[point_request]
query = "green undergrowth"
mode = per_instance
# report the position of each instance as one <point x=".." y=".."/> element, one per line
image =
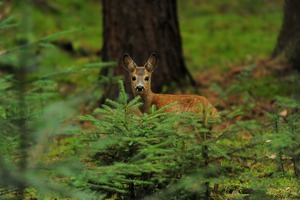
<point x="151" y="157"/>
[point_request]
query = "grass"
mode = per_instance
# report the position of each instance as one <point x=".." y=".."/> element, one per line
<point x="219" y="35"/>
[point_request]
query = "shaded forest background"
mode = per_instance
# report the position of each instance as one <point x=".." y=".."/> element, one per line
<point x="53" y="128"/>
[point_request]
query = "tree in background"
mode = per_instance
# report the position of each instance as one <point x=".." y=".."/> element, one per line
<point x="288" y="46"/>
<point x="288" y="43"/>
<point x="140" y="28"/>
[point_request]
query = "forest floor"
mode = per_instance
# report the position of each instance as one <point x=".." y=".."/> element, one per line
<point x="264" y="72"/>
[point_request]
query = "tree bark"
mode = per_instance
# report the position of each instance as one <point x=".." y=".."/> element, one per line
<point x="288" y="43"/>
<point x="140" y="28"/>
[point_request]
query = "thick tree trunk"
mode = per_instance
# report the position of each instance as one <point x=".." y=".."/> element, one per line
<point x="140" y="28"/>
<point x="288" y="43"/>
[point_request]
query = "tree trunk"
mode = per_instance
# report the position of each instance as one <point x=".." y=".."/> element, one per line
<point x="140" y="28"/>
<point x="288" y="43"/>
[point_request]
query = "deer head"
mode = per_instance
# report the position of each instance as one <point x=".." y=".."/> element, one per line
<point x="140" y="75"/>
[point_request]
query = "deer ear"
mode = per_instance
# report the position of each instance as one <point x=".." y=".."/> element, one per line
<point x="128" y="63"/>
<point x="151" y="64"/>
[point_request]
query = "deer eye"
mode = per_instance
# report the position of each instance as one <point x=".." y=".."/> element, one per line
<point x="133" y="78"/>
<point x="146" y="78"/>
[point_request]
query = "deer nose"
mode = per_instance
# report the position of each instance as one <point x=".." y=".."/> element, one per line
<point x="140" y="88"/>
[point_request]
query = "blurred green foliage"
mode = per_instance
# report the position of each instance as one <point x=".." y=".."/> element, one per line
<point x="33" y="113"/>
<point x="72" y="30"/>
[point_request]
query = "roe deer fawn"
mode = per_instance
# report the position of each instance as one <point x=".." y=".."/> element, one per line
<point x="141" y="86"/>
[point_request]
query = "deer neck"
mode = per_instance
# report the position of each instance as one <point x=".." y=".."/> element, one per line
<point x="147" y="99"/>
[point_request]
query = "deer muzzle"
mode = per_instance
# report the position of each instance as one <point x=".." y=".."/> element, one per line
<point x="140" y="88"/>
